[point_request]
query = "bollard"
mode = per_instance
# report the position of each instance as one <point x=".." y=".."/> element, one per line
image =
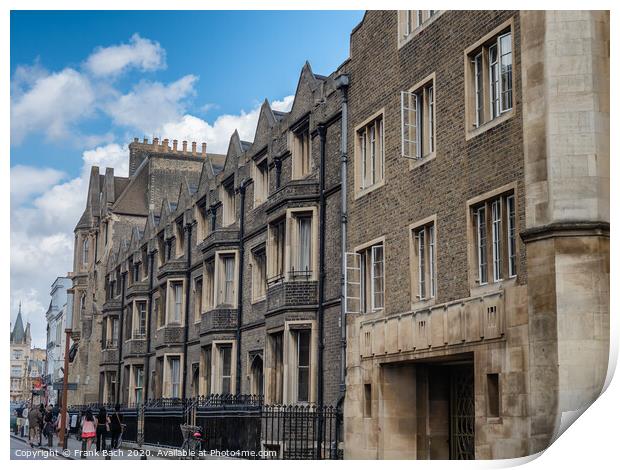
<point x="83" y="454"/>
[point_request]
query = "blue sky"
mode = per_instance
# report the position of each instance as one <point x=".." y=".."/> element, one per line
<point x="84" y="83"/>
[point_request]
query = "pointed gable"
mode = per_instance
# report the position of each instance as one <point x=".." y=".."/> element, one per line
<point x="92" y="200"/>
<point x="266" y="121"/>
<point x="18" y="334"/>
<point x="235" y="150"/>
<point x="304" y="94"/>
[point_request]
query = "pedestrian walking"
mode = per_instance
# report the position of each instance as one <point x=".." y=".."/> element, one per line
<point x="116" y="426"/>
<point x="34" y="423"/>
<point x="103" y="427"/>
<point x="89" y="428"/>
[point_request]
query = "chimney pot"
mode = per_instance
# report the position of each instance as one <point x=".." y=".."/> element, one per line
<point x="165" y="144"/>
<point x="156" y="141"/>
<point x="185" y="146"/>
<point x="174" y="145"/>
<point x="204" y="149"/>
<point x="193" y="148"/>
<point x="145" y="140"/>
<point x="135" y="139"/>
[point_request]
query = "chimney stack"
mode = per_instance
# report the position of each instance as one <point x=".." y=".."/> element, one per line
<point x="204" y="149"/>
<point x="193" y="148"/>
<point x="174" y="145"/>
<point x="145" y="140"/>
<point x="135" y="139"/>
<point x="185" y="146"/>
<point x="155" y="141"/>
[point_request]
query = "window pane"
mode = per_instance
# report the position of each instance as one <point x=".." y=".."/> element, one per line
<point x="421" y="265"/>
<point x="303" y="365"/>
<point x="431" y="257"/>
<point x="482" y="245"/>
<point x="229" y="272"/>
<point x="478" y="89"/>
<point x="494" y="81"/>
<point x="431" y="118"/>
<point x="497" y="253"/>
<point x="225" y="358"/>
<point x="377" y="277"/>
<point x="305" y="243"/>
<point x="505" y="45"/>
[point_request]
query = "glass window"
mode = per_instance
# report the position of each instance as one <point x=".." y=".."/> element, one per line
<point x="175" y="376"/>
<point x="303" y="365"/>
<point x="370" y="147"/>
<point x="225" y="360"/>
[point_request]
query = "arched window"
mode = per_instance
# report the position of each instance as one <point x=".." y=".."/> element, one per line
<point x="256" y="376"/>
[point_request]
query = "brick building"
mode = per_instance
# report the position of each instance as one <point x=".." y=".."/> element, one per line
<point x="478" y="230"/>
<point x="463" y="217"/>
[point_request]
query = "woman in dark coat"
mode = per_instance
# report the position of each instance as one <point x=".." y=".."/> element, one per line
<point x="116" y="426"/>
<point x="103" y="426"/>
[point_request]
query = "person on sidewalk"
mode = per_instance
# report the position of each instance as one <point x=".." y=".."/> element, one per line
<point x="89" y="428"/>
<point x="103" y="427"/>
<point x="34" y="422"/>
<point x="48" y="423"/>
<point x="116" y="426"/>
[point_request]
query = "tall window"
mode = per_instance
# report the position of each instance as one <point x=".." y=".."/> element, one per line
<point x="197" y="299"/>
<point x="202" y="224"/>
<point x="302" y="263"/>
<point x="209" y="284"/>
<point x="179" y="247"/>
<point x="175" y="309"/>
<point x="226" y="368"/>
<point x="489" y="79"/>
<point x="228" y="202"/>
<point x="259" y="273"/>
<point x="303" y="364"/>
<point x="85" y="251"/>
<point x="277" y="249"/>
<point x="226" y="279"/>
<point x="161" y="249"/>
<point x="261" y="180"/>
<point x="206" y="378"/>
<point x="301" y="151"/>
<point x="424" y="259"/>
<point x="370" y="151"/>
<point x="418" y="121"/>
<point x="366" y="269"/>
<point x="140" y="320"/>
<point x="495" y="258"/>
<point x="277" y="367"/>
<point x="138" y="384"/>
<point x="113" y="340"/>
<point x="174" y="366"/>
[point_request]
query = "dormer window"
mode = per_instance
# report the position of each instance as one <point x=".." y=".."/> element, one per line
<point x="228" y="202"/>
<point x="261" y="180"/>
<point x="179" y="237"/>
<point x="301" y="151"/>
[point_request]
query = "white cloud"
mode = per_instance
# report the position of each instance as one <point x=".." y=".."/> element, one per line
<point x="52" y="103"/>
<point x="141" y="53"/>
<point x="27" y="181"/>
<point x="217" y="135"/>
<point x="150" y="104"/>
<point x="111" y="155"/>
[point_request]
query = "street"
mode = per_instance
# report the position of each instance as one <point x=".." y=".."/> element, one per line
<point x="22" y="451"/>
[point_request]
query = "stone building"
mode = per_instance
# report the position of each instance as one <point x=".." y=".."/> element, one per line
<point x="20" y="358"/>
<point x="223" y="286"/>
<point x="462" y="217"/>
<point x="115" y="206"/>
<point x="478" y="230"/>
<point x="56" y="318"/>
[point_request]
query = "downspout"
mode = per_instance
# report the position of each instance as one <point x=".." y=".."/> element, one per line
<point x="320" y="313"/>
<point x="147" y="357"/>
<point x="121" y="322"/>
<point x="188" y="278"/>
<point x="342" y="83"/>
<point x="242" y="188"/>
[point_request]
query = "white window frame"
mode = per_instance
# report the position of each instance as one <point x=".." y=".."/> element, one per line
<point x="221" y="281"/>
<point x="483" y="277"/>
<point x="496" y="230"/>
<point x="172" y="302"/>
<point x="301" y="151"/>
<point x="261" y="180"/>
<point x="259" y="275"/>
<point x="418" y="120"/>
<point x="512" y="235"/>
<point x="370" y="150"/>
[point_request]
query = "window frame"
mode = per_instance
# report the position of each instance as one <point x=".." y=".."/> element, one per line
<point x="171" y="301"/>
<point x="428" y="226"/>
<point x="167" y="378"/>
<point x="422" y="95"/>
<point x="362" y="139"/>
<point x="301" y="150"/>
<point x="505" y="276"/>
<point x="220" y="277"/>
<point x="198" y="298"/>
<point x="476" y="111"/>
<point x="228" y="201"/>
<point x="260" y="177"/>
<point x="368" y="293"/>
<point x="413" y="22"/>
<point x="259" y="286"/>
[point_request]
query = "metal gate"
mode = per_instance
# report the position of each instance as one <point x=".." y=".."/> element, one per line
<point x="462" y="413"/>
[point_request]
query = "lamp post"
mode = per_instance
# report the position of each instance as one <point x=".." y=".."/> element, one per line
<point x="65" y="381"/>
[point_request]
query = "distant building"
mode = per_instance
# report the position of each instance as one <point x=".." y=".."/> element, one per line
<point x="56" y="317"/>
<point x="20" y="357"/>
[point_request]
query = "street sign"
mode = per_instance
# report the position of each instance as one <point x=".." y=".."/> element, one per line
<point x="70" y="386"/>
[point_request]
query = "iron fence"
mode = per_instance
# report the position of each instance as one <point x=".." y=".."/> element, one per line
<point x="241" y="424"/>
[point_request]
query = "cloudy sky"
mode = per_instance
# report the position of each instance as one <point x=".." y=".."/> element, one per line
<point x="83" y="84"/>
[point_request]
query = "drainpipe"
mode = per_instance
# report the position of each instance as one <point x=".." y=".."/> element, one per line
<point x="188" y="278"/>
<point x="147" y="357"/>
<point x="242" y="188"/>
<point x="320" y="313"/>
<point x="342" y="83"/>
<point x="121" y="322"/>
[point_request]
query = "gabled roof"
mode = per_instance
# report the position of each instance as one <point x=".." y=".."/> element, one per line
<point x="308" y="82"/>
<point x="236" y="147"/>
<point x="266" y="121"/>
<point x="134" y="198"/>
<point x="150" y="227"/>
